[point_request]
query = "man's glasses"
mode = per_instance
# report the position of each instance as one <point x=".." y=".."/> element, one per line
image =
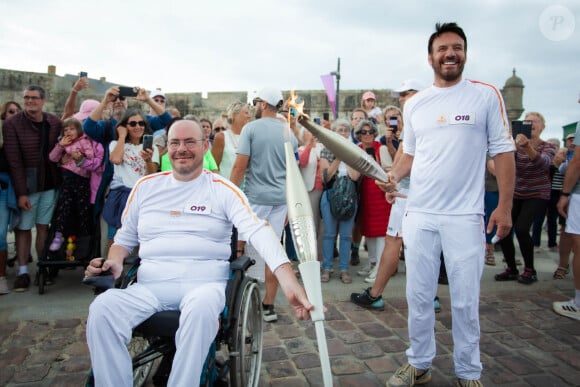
<point x="135" y="123"/>
<point x="32" y="97"/>
<point x="189" y="144"/>
<point x="218" y="129"/>
<point x="13" y="111"/>
<point x="159" y="100"/>
<point x="363" y="132"/>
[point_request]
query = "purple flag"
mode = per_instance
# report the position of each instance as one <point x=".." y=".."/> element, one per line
<point x="328" y="82"/>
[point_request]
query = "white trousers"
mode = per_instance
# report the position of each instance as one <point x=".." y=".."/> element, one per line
<point x="276" y="217"/>
<point x="114" y="314"/>
<point x="462" y="240"/>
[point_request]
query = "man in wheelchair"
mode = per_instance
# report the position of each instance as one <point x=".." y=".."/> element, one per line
<point x="182" y="222"/>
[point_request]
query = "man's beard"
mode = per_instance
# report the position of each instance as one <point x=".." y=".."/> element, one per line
<point x="258" y="112"/>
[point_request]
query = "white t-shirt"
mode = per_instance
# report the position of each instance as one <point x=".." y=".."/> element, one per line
<point x="180" y="227"/>
<point x="133" y="166"/>
<point x="448" y="131"/>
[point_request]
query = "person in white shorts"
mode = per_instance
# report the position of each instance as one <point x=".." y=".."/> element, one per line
<point x="182" y="221"/>
<point x="448" y="129"/>
<point x="569" y="207"/>
<point x="371" y="298"/>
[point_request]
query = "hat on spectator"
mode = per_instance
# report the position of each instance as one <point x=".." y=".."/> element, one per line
<point x="369" y="95"/>
<point x="157" y="93"/>
<point x="271" y="95"/>
<point x="87" y="108"/>
<point x="408" y="85"/>
<point x="571" y="135"/>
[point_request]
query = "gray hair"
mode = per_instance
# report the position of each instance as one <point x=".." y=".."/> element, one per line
<point x="234" y="108"/>
<point x="340" y="122"/>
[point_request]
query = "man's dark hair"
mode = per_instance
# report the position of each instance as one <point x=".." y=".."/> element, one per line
<point x="40" y="90"/>
<point x="441" y="28"/>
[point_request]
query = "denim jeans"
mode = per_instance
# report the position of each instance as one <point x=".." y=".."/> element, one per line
<point x="344" y="232"/>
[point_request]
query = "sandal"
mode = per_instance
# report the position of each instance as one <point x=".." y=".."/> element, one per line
<point x="561" y="272"/>
<point x="489" y="258"/>
<point x="345" y="277"/>
<point x="325" y="277"/>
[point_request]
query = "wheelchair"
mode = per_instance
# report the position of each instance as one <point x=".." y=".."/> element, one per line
<point x="235" y="356"/>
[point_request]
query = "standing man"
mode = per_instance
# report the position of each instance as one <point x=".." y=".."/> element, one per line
<point x="261" y="159"/>
<point x="29" y="136"/>
<point x="448" y="129"/>
<point x="569" y="207"/>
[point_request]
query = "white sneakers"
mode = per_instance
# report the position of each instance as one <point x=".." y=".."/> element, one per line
<point x="567" y="308"/>
<point x="372" y="275"/>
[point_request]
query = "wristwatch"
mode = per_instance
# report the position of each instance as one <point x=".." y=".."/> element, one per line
<point x="565" y="193"/>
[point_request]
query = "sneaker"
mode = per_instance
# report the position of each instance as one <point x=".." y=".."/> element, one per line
<point x="468" y="383"/>
<point x="528" y="277"/>
<point x="567" y="308"/>
<point x="436" y="305"/>
<point x="56" y="242"/>
<point x="22" y="283"/>
<point x="4" y="286"/>
<point x="354" y="257"/>
<point x="372" y="275"/>
<point x="507" y="275"/>
<point x="408" y="375"/>
<point x="366" y="270"/>
<point x="268" y="313"/>
<point x="365" y="300"/>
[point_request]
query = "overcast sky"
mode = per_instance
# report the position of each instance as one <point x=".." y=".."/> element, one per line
<point x="219" y="45"/>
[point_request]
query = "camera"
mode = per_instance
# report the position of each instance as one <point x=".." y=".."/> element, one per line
<point x="394" y="123"/>
<point x="127" y="91"/>
<point x="147" y="141"/>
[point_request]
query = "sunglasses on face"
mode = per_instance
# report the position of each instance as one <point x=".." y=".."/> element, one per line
<point x="120" y="98"/>
<point x="363" y="132"/>
<point x="135" y="123"/>
<point x="13" y="111"/>
<point x="159" y="100"/>
<point x="219" y="129"/>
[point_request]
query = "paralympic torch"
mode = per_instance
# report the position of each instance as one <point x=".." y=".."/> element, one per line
<point x="302" y="227"/>
<point x="341" y="147"/>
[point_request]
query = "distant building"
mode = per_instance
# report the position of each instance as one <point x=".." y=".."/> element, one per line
<point x="12" y="82"/>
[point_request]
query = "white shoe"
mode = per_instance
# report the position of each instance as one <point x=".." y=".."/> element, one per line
<point x="567" y="308"/>
<point x="372" y="275"/>
<point x="4" y="286"/>
<point x="366" y="270"/>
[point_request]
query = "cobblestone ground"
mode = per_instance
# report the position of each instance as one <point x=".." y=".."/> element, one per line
<point x="523" y="343"/>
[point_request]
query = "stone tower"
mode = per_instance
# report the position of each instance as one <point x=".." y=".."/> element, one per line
<point x="513" y="92"/>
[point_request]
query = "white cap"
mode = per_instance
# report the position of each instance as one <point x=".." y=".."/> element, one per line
<point x="271" y="95"/>
<point x="409" y="84"/>
<point x="157" y="93"/>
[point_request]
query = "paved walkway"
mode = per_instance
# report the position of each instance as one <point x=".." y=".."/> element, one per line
<point x="524" y="343"/>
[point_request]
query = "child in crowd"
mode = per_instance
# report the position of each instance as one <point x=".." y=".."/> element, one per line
<point x="79" y="158"/>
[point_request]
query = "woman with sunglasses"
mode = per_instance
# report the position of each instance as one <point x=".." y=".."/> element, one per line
<point x="130" y="163"/>
<point x="225" y="143"/>
<point x="374" y="210"/>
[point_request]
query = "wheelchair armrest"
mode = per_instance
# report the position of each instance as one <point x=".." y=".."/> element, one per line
<point x="242" y="263"/>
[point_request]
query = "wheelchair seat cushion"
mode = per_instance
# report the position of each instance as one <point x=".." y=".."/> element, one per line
<point x="161" y="324"/>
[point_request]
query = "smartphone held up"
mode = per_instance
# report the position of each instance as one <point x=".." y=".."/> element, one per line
<point x="147" y="141"/>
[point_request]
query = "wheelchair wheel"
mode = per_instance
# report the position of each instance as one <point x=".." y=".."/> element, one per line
<point x="141" y="369"/>
<point x="245" y="345"/>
